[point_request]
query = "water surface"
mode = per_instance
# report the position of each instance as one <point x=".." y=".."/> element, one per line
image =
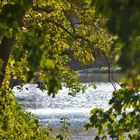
<point x="76" y="109"/>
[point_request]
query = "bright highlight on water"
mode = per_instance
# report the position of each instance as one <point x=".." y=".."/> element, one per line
<point x="76" y="109"/>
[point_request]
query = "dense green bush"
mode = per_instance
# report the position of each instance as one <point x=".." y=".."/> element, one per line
<point x="17" y="124"/>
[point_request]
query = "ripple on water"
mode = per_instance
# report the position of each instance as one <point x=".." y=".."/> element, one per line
<point x="51" y="110"/>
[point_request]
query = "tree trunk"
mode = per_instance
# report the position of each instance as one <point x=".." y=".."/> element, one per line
<point x="5" y="51"/>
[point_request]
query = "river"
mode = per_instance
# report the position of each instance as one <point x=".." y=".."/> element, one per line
<point x="76" y="109"/>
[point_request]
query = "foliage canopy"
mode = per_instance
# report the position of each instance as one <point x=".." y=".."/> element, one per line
<point x="34" y="35"/>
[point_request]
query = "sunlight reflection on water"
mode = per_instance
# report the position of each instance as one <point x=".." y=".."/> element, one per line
<point x="51" y="110"/>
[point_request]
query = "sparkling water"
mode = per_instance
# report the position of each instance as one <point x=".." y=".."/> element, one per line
<point x="76" y="109"/>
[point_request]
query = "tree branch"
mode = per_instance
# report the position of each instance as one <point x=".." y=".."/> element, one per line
<point x="76" y="36"/>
